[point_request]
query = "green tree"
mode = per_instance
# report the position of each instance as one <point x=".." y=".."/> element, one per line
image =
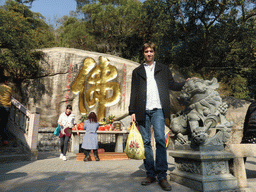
<point x="158" y="24"/>
<point x="74" y="33"/>
<point x="25" y="1"/>
<point x="108" y="26"/>
<point x="81" y="3"/>
<point x="208" y="38"/>
<point x="21" y="32"/>
<point x="109" y="22"/>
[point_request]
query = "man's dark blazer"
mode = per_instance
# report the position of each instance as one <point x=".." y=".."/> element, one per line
<point x="165" y="82"/>
<point x="250" y="120"/>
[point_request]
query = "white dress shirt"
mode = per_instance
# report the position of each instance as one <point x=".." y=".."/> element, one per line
<point x="153" y="99"/>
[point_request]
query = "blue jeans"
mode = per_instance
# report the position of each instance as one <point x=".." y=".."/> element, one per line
<point x="159" y="167"/>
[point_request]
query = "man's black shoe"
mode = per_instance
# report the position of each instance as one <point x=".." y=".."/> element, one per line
<point x="165" y="185"/>
<point x="148" y="180"/>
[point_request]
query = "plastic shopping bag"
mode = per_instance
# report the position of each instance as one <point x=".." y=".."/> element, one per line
<point x="134" y="148"/>
<point x="57" y="131"/>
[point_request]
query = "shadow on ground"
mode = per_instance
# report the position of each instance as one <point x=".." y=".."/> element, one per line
<point x="73" y="181"/>
<point x="48" y="155"/>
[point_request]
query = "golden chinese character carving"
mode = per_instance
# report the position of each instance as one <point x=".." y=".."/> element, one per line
<point x="99" y="77"/>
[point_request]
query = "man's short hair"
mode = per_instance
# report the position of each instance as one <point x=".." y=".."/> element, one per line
<point x="149" y="44"/>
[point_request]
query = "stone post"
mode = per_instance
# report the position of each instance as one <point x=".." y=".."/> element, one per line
<point x="32" y="134"/>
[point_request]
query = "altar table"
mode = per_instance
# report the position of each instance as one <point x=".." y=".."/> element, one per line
<point x="119" y="135"/>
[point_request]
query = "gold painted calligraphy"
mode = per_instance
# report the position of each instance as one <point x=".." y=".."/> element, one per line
<point x="99" y="76"/>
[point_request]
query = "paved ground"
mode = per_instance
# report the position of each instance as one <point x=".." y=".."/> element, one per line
<point x="49" y="174"/>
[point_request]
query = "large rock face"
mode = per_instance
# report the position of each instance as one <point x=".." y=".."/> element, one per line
<point x="52" y="90"/>
<point x="236" y="113"/>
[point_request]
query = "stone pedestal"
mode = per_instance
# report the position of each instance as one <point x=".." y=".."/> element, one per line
<point x="203" y="169"/>
<point x="119" y="143"/>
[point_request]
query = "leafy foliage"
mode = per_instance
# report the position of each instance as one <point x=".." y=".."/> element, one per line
<point x="74" y="33"/>
<point x="104" y="28"/>
<point x="206" y="38"/>
<point x="25" y="1"/>
<point x="109" y="120"/>
<point x="22" y="31"/>
<point x="83" y="118"/>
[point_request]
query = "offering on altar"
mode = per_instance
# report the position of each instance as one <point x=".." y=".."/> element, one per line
<point x="109" y="120"/>
<point x="107" y="124"/>
<point x="80" y="126"/>
<point x="117" y="126"/>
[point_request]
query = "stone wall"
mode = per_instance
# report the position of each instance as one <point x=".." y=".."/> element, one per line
<point x="236" y="113"/>
<point x="51" y="90"/>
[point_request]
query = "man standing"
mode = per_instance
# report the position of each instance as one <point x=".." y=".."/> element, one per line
<point x="150" y="104"/>
<point x="5" y="105"/>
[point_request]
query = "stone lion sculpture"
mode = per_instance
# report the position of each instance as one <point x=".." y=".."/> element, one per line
<point x="203" y="121"/>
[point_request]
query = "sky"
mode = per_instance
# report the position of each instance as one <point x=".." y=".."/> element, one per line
<point x="51" y="9"/>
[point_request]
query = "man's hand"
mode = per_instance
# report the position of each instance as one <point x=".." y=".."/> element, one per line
<point x="191" y="78"/>
<point x="133" y="117"/>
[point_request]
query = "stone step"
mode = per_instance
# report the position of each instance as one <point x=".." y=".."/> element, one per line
<point x="104" y="156"/>
<point x="10" y="158"/>
<point x="12" y="152"/>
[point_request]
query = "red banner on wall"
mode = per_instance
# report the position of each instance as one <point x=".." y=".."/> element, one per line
<point x="124" y="82"/>
<point x="69" y="81"/>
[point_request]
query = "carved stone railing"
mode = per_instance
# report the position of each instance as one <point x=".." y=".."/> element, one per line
<point x="240" y="151"/>
<point x="24" y="124"/>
